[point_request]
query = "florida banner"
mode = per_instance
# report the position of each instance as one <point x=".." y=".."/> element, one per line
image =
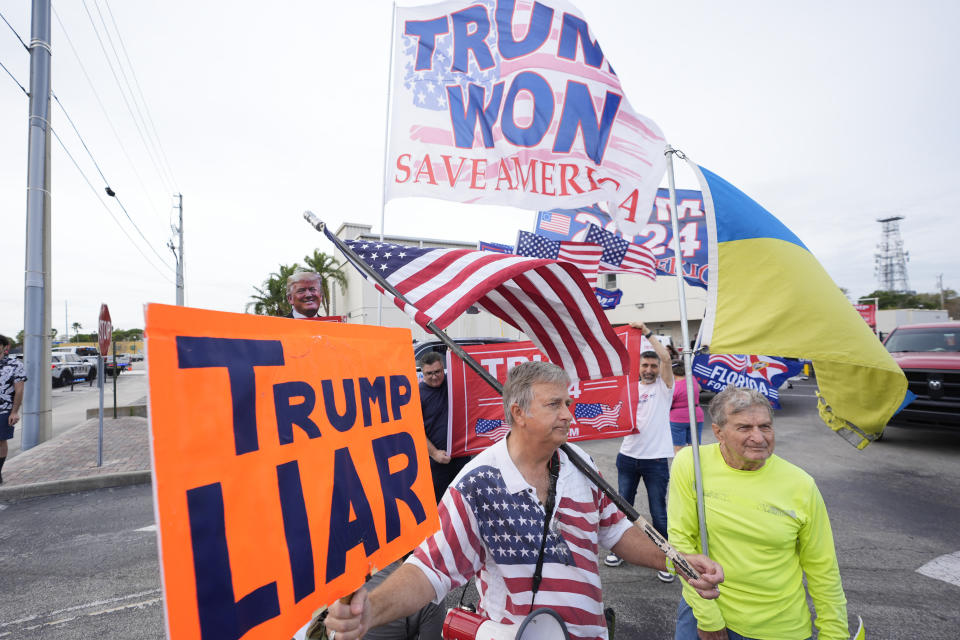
<point x="514" y="103"/>
<point x="602" y="408"/>
<point x="289" y="459"/>
<point x="766" y="374"/>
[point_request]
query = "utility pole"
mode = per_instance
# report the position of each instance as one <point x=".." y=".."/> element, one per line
<point x="37" y="414"/>
<point x="178" y="250"/>
<point x="940" y="288"/>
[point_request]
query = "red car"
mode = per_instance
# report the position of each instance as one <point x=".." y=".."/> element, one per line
<point x="929" y="355"/>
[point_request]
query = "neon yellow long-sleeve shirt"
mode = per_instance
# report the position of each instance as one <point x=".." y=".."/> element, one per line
<point x="766" y="528"/>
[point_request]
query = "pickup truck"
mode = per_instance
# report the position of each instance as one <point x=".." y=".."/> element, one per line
<point x="929" y="355"/>
<point x="89" y="355"/>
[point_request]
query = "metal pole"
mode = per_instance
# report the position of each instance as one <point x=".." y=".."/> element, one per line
<point x="116" y="374"/>
<point x="679" y="561"/>
<point x="687" y="353"/>
<point x="100" y="381"/>
<point x="386" y="146"/>
<point x="180" y="254"/>
<point x="37" y="423"/>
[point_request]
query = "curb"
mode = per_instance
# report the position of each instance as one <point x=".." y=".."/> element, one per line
<point x="72" y="485"/>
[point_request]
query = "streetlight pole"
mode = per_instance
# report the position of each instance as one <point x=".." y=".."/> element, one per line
<point x="37" y="414"/>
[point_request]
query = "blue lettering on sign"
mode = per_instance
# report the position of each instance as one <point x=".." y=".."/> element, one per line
<point x="398" y="486"/>
<point x="537" y="32"/>
<point x="294" y="414"/>
<point x="239" y="357"/>
<point x="346" y="532"/>
<point x="222" y="617"/>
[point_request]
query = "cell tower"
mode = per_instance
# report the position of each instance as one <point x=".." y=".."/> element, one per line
<point x="890" y="261"/>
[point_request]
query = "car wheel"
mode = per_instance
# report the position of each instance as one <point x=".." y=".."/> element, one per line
<point x="66" y="378"/>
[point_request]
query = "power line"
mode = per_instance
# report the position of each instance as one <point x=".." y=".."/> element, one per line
<point x="12" y="77"/>
<point x="124" y="96"/>
<point x="14" y="32"/>
<point x="152" y="148"/>
<point x="146" y="107"/>
<point x="114" y="217"/>
<point x="106" y="114"/>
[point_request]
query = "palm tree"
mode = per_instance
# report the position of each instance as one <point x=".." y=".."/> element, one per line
<point x="271" y="298"/>
<point x="76" y="331"/>
<point x="329" y="271"/>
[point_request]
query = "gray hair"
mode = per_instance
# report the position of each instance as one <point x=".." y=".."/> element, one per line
<point x="298" y="276"/>
<point x="734" y="400"/>
<point x="519" y="387"/>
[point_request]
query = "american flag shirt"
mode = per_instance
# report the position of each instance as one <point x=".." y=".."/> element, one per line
<point x="491" y="524"/>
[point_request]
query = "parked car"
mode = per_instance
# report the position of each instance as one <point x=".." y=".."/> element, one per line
<point x="67" y="368"/>
<point x="929" y="355"/>
<point x="90" y="355"/>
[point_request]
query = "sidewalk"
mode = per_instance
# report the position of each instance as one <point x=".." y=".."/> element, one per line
<point x="68" y="462"/>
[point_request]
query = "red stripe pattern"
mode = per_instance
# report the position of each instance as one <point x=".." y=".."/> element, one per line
<point x="548" y="300"/>
<point x="491" y="529"/>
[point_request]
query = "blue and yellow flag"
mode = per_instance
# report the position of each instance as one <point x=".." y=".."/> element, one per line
<point x="768" y="294"/>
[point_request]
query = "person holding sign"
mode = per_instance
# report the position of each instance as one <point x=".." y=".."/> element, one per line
<point x="524" y="521"/>
<point x="767" y="524"/>
<point x="305" y="294"/>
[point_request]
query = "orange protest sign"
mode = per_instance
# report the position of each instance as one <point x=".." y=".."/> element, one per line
<point x="289" y="457"/>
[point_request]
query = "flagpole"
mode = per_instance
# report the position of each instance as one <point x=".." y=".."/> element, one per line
<point x="687" y="351"/>
<point x="386" y="144"/>
<point x="632" y="514"/>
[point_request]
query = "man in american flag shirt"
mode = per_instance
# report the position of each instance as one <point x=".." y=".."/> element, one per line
<point x="492" y="526"/>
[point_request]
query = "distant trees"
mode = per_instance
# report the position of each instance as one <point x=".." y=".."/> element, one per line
<point x="895" y="300"/>
<point x="270" y="298"/>
<point x="76" y="331"/>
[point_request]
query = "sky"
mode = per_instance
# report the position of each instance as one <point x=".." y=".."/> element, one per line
<point x="829" y="114"/>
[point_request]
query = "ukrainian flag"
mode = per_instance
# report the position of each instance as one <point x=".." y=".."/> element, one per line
<point x="768" y="294"/>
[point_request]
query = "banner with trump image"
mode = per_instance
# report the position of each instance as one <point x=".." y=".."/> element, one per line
<point x="514" y="103"/>
<point x="603" y="408"/>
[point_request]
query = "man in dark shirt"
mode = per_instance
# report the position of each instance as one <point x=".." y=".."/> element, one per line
<point x="433" y="405"/>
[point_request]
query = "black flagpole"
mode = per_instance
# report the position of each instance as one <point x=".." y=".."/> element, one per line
<point x="632" y="514"/>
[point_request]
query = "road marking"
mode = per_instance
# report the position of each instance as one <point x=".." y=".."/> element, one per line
<point x="78" y="607"/>
<point x="945" y="567"/>
<point x="148" y="528"/>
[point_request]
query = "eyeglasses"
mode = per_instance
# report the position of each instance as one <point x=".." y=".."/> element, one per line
<point x="433" y="373"/>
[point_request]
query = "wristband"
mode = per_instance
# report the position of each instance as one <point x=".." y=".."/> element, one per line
<point x="648" y="334"/>
<point x="670" y="568"/>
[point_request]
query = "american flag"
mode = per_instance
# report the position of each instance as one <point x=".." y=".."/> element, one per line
<point x="483" y="521"/>
<point x="556" y="222"/>
<point x="620" y="255"/>
<point x="493" y="429"/>
<point x="737" y="363"/>
<point x="585" y="255"/>
<point x="596" y="415"/>
<point x="547" y="300"/>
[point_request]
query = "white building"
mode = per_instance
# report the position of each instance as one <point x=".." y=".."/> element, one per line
<point x="655" y="303"/>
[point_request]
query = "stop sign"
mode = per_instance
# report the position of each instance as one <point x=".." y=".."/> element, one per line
<point x="105" y="330"/>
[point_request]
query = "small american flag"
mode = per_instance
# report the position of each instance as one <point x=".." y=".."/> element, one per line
<point x="596" y="415"/>
<point x="584" y="255"/>
<point x="493" y="429"/>
<point x="737" y="363"/>
<point x="556" y="222"/>
<point x="620" y="255"/>
<point x="547" y="300"/>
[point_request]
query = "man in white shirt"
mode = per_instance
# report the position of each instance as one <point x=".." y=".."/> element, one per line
<point x="646" y="453"/>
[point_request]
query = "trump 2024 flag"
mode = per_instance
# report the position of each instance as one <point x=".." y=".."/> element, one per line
<point x="514" y="103"/>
